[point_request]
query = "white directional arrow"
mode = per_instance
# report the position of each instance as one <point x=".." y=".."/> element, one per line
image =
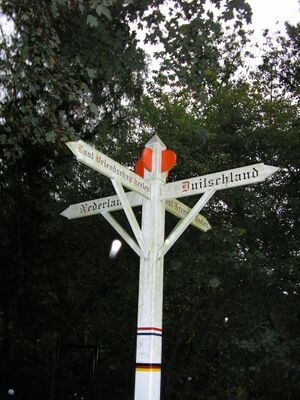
<point x="180" y="210"/>
<point x="113" y="203"/>
<point x="97" y="206"/>
<point x="219" y="180"/>
<point x="107" y="166"/>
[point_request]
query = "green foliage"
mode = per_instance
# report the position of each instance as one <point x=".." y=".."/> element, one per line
<point x="279" y="71"/>
<point x="199" y="46"/>
<point x="55" y="87"/>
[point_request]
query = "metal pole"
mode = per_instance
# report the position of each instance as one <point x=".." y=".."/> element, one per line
<point x="94" y="370"/>
<point x="149" y="327"/>
<point x="55" y="365"/>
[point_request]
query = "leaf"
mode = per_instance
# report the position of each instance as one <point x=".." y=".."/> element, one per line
<point x="54" y="9"/>
<point x="214" y="282"/>
<point x="101" y="9"/>
<point x="81" y="7"/>
<point x="92" y="21"/>
<point x="92" y="73"/>
<point x="2" y="139"/>
<point x="50" y="137"/>
<point x="93" y="108"/>
<point x="7" y="154"/>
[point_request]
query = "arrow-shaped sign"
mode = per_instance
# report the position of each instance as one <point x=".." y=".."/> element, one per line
<point x="180" y="210"/>
<point x="219" y="180"/>
<point x="107" y="166"/>
<point x="98" y="206"/>
<point x="113" y="203"/>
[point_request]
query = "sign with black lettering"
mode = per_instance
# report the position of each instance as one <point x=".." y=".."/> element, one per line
<point x="218" y="181"/>
<point x="108" y="167"/>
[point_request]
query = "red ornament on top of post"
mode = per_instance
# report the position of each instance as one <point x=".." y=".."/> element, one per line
<point x="168" y="160"/>
<point x="147" y="158"/>
<point x="139" y="168"/>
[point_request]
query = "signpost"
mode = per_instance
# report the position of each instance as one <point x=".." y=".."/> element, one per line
<point x="149" y="189"/>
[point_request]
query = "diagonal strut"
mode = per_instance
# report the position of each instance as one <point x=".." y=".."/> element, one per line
<point x="131" y="217"/>
<point x="184" y="223"/>
<point x="121" y="231"/>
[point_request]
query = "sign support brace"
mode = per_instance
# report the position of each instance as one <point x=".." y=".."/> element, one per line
<point x="121" y="231"/>
<point x="185" y="222"/>
<point x="131" y="217"/>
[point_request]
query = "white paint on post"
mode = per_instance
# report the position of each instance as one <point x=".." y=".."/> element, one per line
<point x="108" y="167"/>
<point x="149" y="329"/>
<point x="219" y="180"/>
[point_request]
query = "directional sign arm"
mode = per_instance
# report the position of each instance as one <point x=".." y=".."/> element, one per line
<point x="98" y="206"/>
<point x="121" y="231"/>
<point x="218" y="181"/>
<point x="184" y="223"/>
<point x="181" y="210"/>
<point x="131" y="217"/>
<point x="108" y="167"/>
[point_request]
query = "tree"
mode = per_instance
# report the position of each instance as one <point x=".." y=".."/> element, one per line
<point x="60" y="78"/>
<point x="201" y="44"/>
<point x="279" y="69"/>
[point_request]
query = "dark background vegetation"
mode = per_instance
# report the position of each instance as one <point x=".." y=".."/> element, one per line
<point x="73" y="70"/>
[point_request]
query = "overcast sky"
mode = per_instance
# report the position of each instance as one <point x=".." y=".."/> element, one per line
<point x="266" y="13"/>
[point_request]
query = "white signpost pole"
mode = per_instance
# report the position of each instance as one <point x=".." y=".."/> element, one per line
<point x="149" y="324"/>
<point x="155" y="196"/>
